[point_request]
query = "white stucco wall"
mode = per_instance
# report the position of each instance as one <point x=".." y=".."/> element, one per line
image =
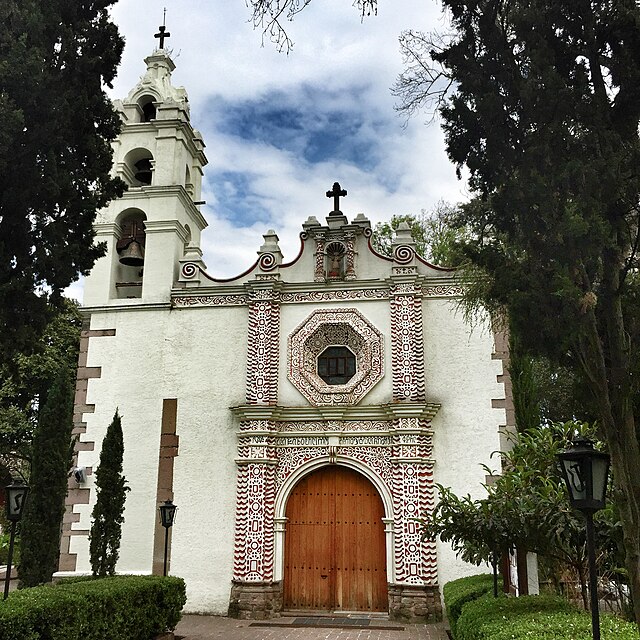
<point x="461" y="376"/>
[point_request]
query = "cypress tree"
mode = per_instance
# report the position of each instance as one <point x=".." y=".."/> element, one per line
<point x="108" y="516"/>
<point x="51" y="459"/>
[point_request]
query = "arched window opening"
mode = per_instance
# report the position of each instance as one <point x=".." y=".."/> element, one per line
<point x="138" y="167"/>
<point x="147" y="104"/>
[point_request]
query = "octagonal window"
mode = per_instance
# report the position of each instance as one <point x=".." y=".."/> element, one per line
<point x="336" y="365"/>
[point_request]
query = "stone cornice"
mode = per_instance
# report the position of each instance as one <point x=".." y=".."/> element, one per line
<point x="311" y="292"/>
<point x="395" y="411"/>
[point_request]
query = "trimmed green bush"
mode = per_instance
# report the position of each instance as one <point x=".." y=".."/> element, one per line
<point x="458" y="592"/>
<point x="118" y="608"/>
<point x="534" y="618"/>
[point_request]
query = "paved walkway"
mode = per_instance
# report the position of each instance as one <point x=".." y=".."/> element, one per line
<point x="214" y="627"/>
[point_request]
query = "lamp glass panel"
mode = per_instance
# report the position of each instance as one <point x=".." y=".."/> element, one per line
<point x="15" y="501"/>
<point x="576" y="478"/>
<point x="599" y="467"/>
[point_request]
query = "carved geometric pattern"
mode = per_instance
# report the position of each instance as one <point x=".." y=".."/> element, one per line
<point x="443" y="290"/>
<point x="270" y="452"/>
<point x="318" y="271"/>
<point x="350" y="272"/>
<point x="331" y="296"/>
<point x="407" y="345"/>
<point x="230" y="299"/>
<point x="254" y="540"/>
<point x="235" y="299"/>
<point x="262" y="348"/>
<point x="329" y="425"/>
<point x="340" y="327"/>
<point x="413" y="497"/>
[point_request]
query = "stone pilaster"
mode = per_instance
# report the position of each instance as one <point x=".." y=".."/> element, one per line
<point x="407" y="342"/>
<point x="263" y="343"/>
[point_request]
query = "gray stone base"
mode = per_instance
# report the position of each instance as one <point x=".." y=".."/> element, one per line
<point x="414" y="604"/>
<point x="255" y="600"/>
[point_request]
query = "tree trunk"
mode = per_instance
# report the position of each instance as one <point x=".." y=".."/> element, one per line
<point x="609" y="378"/>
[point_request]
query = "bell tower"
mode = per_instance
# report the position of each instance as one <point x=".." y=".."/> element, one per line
<point x="160" y="156"/>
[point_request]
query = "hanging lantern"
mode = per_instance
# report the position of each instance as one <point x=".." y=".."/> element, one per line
<point x="585" y="472"/>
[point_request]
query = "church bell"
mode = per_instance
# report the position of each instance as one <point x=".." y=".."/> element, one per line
<point x="143" y="171"/>
<point x="132" y="255"/>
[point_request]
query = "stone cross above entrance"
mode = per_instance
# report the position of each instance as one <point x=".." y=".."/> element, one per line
<point x="335" y="193"/>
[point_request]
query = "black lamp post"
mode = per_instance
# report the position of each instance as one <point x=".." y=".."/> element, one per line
<point x="585" y="472"/>
<point x="167" y="516"/>
<point x="16" y="496"/>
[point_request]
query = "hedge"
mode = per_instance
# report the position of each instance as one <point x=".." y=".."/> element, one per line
<point x="458" y="592"/>
<point x="534" y="618"/>
<point x="118" y="608"/>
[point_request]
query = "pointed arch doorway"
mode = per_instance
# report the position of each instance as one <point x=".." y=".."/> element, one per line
<point x="335" y="543"/>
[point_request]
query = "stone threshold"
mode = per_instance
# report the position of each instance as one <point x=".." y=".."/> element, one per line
<point x="331" y="621"/>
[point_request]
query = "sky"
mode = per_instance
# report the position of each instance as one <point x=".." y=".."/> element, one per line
<point x="281" y="129"/>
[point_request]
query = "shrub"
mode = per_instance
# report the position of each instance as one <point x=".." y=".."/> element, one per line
<point x="458" y="592"/>
<point x="118" y="608"/>
<point x="534" y="618"/>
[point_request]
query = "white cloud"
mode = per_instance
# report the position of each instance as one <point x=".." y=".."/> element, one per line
<point x="338" y="65"/>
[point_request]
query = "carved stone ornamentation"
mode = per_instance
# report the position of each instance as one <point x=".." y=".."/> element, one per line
<point x="344" y="327"/>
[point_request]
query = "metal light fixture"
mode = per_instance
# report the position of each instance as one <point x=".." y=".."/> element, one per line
<point x="585" y="473"/>
<point x="16" y="496"/>
<point x="167" y="518"/>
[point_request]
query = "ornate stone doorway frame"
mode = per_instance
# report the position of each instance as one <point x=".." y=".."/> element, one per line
<point x="391" y="445"/>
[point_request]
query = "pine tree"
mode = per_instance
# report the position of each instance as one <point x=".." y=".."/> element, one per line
<point x="45" y="507"/>
<point x="108" y="516"/>
<point x="56" y="125"/>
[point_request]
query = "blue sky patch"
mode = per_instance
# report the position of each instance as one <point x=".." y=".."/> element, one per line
<point x="327" y="129"/>
<point x="236" y="200"/>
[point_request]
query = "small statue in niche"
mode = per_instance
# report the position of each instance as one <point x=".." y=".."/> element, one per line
<point x="335" y="260"/>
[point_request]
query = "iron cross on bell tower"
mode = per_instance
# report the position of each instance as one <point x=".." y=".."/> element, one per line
<point x="161" y="34"/>
<point x="335" y="193"/>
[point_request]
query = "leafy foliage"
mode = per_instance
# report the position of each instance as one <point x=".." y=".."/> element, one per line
<point x="458" y="592"/>
<point x="118" y="608"/>
<point x="527" y="508"/>
<point x="56" y="123"/>
<point x="541" y="102"/>
<point x="26" y="379"/>
<point x="434" y="232"/>
<point x="108" y="512"/>
<point x="534" y="618"/>
<point x="44" y="510"/>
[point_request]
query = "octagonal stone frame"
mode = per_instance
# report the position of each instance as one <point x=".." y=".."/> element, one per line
<point x="335" y="328"/>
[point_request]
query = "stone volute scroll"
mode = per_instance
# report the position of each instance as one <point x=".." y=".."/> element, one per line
<point x="403" y="248"/>
<point x="269" y="257"/>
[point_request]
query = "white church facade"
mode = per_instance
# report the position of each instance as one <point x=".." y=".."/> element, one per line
<point x="299" y="415"/>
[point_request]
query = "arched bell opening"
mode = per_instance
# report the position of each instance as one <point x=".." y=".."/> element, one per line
<point x="130" y="250"/>
<point x="148" y="110"/>
<point x="138" y="167"/>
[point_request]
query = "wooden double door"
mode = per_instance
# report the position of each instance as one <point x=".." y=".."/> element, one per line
<point x="335" y="544"/>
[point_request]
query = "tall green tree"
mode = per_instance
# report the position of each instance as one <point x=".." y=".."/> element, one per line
<point x="108" y="512"/>
<point x="40" y="538"/>
<point x="56" y="124"/>
<point x="541" y="102"/>
<point x="25" y="382"/>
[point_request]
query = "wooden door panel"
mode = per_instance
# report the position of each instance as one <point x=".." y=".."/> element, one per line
<point x="335" y="545"/>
